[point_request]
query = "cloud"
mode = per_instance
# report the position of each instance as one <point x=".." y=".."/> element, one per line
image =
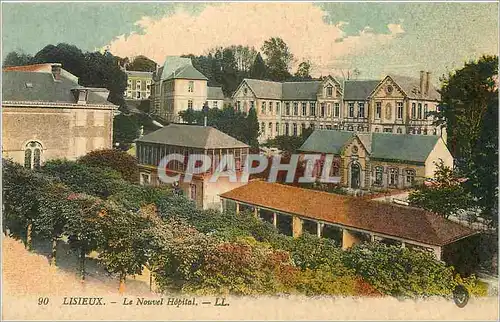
<point x="301" y="25"/>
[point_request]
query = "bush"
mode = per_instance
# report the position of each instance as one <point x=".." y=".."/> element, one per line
<point x="400" y="271"/>
<point x="473" y="285"/>
<point x="117" y="160"/>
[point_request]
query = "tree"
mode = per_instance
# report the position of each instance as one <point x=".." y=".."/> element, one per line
<point x="278" y="58"/>
<point x="119" y="161"/>
<point x="126" y="129"/>
<point x="304" y="70"/>
<point x="70" y="56"/>
<point x="258" y="69"/>
<point x="189" y="116"/>
<point x="469" y="109"/>
<point x="142" y="64"/>
<point x="15" y="58"/>
<point x="446" y="196"/>
<point x="252" y="129"/>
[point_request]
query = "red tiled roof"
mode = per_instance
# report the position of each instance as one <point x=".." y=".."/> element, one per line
<point x="393" y="220"/>
<point x="27" y="68"/>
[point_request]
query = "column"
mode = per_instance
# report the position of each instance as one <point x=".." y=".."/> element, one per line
<point x="275" y="219"/>
<point x="372" y="238"/>
<point x="256" y="212"/>
<point x="296" y="226"/>
<point x="237" y="208"/>
<point x="437" y="252"/>
<point x="319" y="228"/>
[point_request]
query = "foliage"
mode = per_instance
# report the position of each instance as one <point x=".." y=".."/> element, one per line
<point x="251" y="130"/>
<point x="304" y="70"/>
<point x="469" y="108"/>
<point x="446" y="196"/>
<point x="278" y="58"/>
<point x="82" y="178"/>
<point x="400" y="271"/>
<point x="15" y="58"/>
<point x="259" y="68"/>
<point x="142" y="64"/>
<point x="289" y="143"/>
<point x="117" y="160"/>
<point x="126" y="129"/>
<point x="473" y="285"/>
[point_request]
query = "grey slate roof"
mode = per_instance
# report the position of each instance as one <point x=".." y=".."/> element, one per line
<point x="301" y="90"/>
<point x="173" y="63"/>
<point x="214" y="93"/>
<point x="43" y="88"/>
<point x="187" y="72"/>
<point x="411" y="86"/>
<point x="387" y="146"/>
<point x="194" y="136"/>
<point x="138" y="73"/>
<point x="357" y="90"/>
<point x="265" y="89"/>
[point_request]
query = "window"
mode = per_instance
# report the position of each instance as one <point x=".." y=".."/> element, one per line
<point x="304" y="109"/>
<point x="399" y="131"/>
<point x="329" y="91"/>
<point x="277" y="129"/>
<point x="138" y="95"/>
<point x="245" y="91"/>
<point x="419" y="111"/>
<point x="192" y="191"/>
<point x="425" y="131"/>
<point x="426" y="111"/>
<point x="303" y="127"/>
<point x="191" y="86"/>
<point x="270" y="107"/>
<point x="145" y="178"/>
<point x="252" y="104"/>
<point x="296" y="108"/>
<point x="328" y="127"/>
<point x="361" y="109"/>
<point x="434" y="132"/>
<point x="379" y="172"/>
<point x="360" y="128"/>
<point x="378" y="110"/>
<point x="294" y="129"/>
<point x="287" y="108"/>
<point x="33" y="155"/>
<point x="214" y="104"/>
<point x="263" y="108"/>
<point x="351" y="109"/>
<point x="138" y="85"/>
<point x="238" y="105"/>
<point x="270" y="127"/>
<point x="410" y="177"/>
<point x="399" y="110"/>
<point x="387" y="130"/>
<point x="277" y="108"/>
<point x="393" y="177"/>
<point x="263" y="128"/>
<point x="377" y="130"/>
<point x="413" y="111"/>
<point x="313" y="108"/>
<point x="337" y="110"/>
<point x="190" y="103"/>
<point x="287" y="132"/>
<point x="321" y="126"/>
<point x="323" y="112"/>
<point x="350" y="128"/>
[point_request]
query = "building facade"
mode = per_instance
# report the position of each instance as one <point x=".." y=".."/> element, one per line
<point x="191" y="140"/>
<point x="395" y="104"/>
<point x="178" y="85"/>
<point x="138" y="85"/>
<point x="379" y="160"/>
<point x="47" y="115"/>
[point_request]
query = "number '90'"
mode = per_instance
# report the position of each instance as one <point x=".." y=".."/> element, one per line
<point x="43" y="300"/>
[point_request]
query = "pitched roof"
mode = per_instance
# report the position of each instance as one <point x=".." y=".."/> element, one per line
<point x="27" y="68"/>
<point x="174" y="64"/>
<point x="326" y="141"/>
<point x="388" y="146"/>
<point x="41" y="87"/>
<point x="355" y="90"/>
<point x="265" y="89"/>
<point x="187" y="72"/>
<point x="194" y="136"/>
<point x="411" y="86"/>
<point x="404" y="222"/>
<point x="138" y="73"/>
<point x="214" y="93"/>
<point x="301" y="90"/>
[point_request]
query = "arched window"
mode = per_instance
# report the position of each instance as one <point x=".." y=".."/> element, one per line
<point x="33" y="155"/>
<point x="360" y="128"/>
<point x="410" y="177"/>
<point x="379" y="172"/>
<point x="399" y="130"/>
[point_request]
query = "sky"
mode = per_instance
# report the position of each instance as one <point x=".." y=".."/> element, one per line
<point x="375" y="38"/>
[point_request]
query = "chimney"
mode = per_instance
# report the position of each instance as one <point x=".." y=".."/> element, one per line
<point x="422" y="73"/>
<point x="56" y="71"/>
<point x="427" y="83"/>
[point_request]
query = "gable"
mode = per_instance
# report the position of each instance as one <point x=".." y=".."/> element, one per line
<point x="388" y="88"/>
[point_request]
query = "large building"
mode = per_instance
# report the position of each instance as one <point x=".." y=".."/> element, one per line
<point x="177" y="86"/>
<point x="47" y="115"/>
<point x="395" y="104"/>
<point x="191" y="140"/>
<point x="379" y="160"/>
<point x="138" y="85"/>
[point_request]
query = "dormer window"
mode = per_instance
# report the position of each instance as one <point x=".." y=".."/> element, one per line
<point x="80" y="95"/>
<point x="245" y="91"/>
<point x="29" y="85"/>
